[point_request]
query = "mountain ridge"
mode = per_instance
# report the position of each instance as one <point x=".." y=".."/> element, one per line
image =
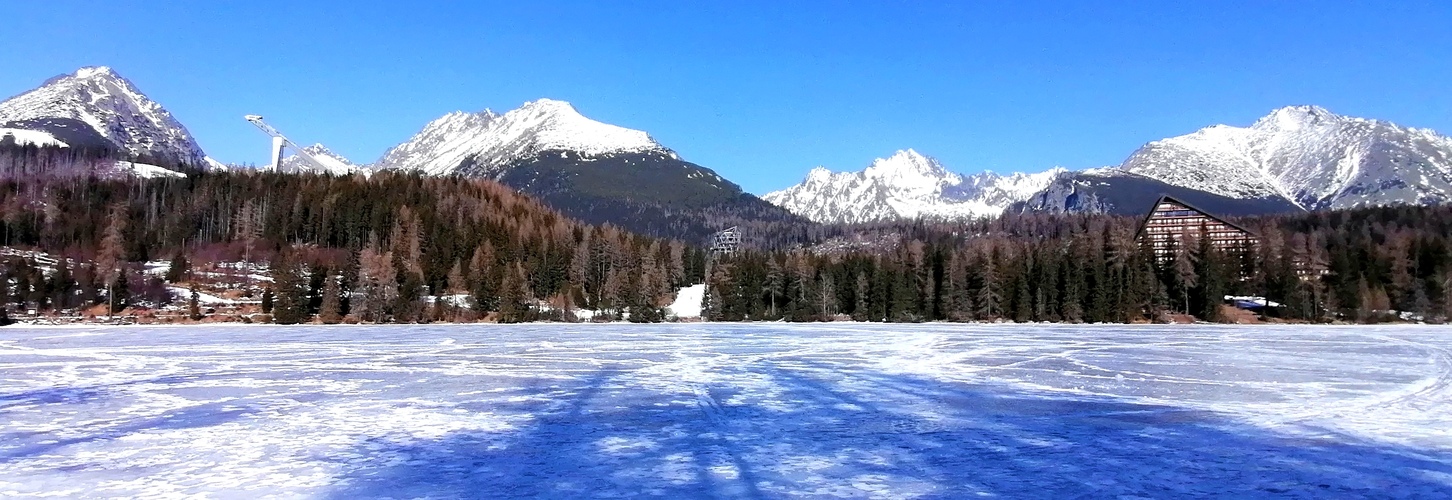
<point x="1295" y="158"/>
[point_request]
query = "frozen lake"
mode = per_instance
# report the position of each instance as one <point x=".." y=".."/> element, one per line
<point x="726" y="411"/>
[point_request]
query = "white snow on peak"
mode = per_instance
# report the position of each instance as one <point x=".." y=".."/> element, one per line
<point x="92" y="71"/>
<point x="113" y="107"/>
<point x="24" y="137"/>
<point x="334" y="163"/>
<point x="906" y="184"/>
<point x="485" y="142"/>
<point x="1310" y="156"/>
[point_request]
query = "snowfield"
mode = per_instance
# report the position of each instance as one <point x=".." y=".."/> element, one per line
<point x="733" y="411"/>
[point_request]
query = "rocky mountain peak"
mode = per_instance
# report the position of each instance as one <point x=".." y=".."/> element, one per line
<point x="117" y="111"/>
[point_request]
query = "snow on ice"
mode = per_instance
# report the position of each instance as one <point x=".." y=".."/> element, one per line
<point x="738" y="410"/>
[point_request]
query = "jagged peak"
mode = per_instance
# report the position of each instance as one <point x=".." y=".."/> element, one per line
<point x="819" y="173"/>
<point x="907" y="161"/>
<point x="1294" y="117"/>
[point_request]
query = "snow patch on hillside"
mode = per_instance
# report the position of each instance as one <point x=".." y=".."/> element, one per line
<point x="688" y="302"/>
<point x="146" y="170"/>
<point x="25" y="137"/>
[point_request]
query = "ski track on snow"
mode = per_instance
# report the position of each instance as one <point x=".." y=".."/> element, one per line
<point x="734" y="411"/>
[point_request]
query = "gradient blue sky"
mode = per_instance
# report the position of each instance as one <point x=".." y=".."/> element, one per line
<point x="759" y="91"/>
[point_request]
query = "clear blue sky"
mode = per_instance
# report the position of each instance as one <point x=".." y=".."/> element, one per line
<point x="759" y="91"/>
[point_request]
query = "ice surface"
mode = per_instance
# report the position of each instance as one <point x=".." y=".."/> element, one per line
<point x="712" y="410"/>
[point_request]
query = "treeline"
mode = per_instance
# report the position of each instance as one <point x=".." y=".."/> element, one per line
<point x="406" y="248"/>
<point x="1360" y="265"/>
<point x="379" y="248"/>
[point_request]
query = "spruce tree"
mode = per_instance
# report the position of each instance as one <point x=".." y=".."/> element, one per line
<point x="4" y="292"/>
<point x="178" y="269"/>
<point x="120" y="294"/>
<point x="194" y="308"/>
<point x="290" y="298"/>
<point x="330" y="312"/>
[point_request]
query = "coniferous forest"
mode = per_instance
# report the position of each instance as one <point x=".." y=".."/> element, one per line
<point x="396" y="247"/>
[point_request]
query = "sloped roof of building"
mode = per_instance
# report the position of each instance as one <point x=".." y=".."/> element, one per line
<point x="1165" y="198"/>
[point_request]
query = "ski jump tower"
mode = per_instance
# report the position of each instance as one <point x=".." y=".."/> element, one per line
<point x="280" y="141"/>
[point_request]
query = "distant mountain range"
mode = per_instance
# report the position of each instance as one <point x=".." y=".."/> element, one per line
<point x="905" y="185"/>
<point x="1296" y="158"/>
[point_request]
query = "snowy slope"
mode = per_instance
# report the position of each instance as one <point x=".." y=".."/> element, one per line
<point x="688" y="302"/>
<point x="111" y="105"/>
<point x="145" y="170"/>
<point x="23" y="137"/>
<point x="1306" y="154"/>
<point x="335" y="163"/>
<point x="485" y="144"/>
<point x="905" y="185"/>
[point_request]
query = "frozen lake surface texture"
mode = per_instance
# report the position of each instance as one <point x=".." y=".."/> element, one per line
<point x="726" y="411"/>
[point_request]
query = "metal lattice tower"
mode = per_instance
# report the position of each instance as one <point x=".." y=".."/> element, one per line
<point x="723" y="244"/>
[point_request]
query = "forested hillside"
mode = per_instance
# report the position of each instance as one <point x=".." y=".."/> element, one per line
<point x="378" y="245"/>
<point x="397" y="247"/>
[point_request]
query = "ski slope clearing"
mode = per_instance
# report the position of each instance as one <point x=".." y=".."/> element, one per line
<point x="726" y="411"/>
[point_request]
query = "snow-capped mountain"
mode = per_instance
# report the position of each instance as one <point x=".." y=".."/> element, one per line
<point x="484" y="144"/>
<point x="109" y="105"/>
<point x="905" y="185"/>
<point x="335" y="163"/>
<point x="1296" y="158"/>
<point x="592" y="171"/>
<point x="1307" y="155"/>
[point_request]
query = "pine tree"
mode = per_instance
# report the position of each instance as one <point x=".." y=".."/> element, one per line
<point x="290" y="298"/>
<point x="1211" y="287"/>
<point x="331" y="310"/>
<point x="62" y="286"/>
<point x="194" y="308"/>
<point x="1184" y="273"/>
<point x="514" y="297"/>
<point x="1072" y="298"/>
<point x="377" y="284"/>
<point x="120" y="295"/>
<point x="4" y="307"/>
<point x="988" y="297"/>
<point x="267" y="300"/>
<point x="179" y="268"/>
<point x="863" y="289"/>
<point x="484" y="292"/>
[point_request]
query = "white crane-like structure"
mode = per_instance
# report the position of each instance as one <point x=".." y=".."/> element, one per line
<point x="279" y="141"/>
